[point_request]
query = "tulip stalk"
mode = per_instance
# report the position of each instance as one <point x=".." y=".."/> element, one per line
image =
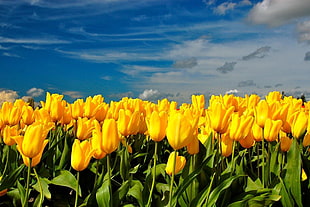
<point x="77" y="189"/>
<point x="27" y="184"/>
<point x="263" y="159"/>
<point x="154" y="175"/>
<point x="40" y="186"/>
<point x="109" y="178"/>
<point x="172" y="178"/>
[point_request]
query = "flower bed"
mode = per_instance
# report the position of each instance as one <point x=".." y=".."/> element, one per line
<point x="238" y="151"/>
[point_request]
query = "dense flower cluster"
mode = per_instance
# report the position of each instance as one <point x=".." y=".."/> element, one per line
<point x="100" y="128"/>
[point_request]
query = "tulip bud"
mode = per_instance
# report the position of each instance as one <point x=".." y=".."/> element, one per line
<point x="226" y="145"/>
<point x="180" y="162"/>
<point x="81" y="154"/>
<point x="272" y="129"/>
<point x="299" y="125"/>
<point x="110" y="136"/>
<point x="178" y="130"/>
<point x="157" y="125"/>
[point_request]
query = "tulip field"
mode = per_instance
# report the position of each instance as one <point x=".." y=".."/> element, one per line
<point x="234" y="151"/>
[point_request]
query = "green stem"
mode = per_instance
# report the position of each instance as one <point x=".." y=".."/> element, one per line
<point x="232" y="167"/>
<point x="96" y="175"/>
<point x="193" y="191"/>
<point x="172" y="178"/>
<point x="154" y="175"/>
<point x="109" y="178"/>
<point x="263" y="159"/>
<point x="40" y="186"/>
<point x="77" y="189"/>
<point x="27" y="184"/>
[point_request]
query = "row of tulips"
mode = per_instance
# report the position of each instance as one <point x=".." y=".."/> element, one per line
<point x="238" y="151"/>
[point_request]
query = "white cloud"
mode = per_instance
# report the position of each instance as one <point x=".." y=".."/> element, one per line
<point x="72" y="94"/>
<point x="146" y="94"/>
<point x="42" y="41"/>
<point x="303" y="30"/>
<point x="224" y="7"/>
<point x="8" y="95"/>
<point x="10" y="55"/>
<point x="277" y="12"/>
<point x="234" y="91"/>
<point x="35" y="92"/>
<point x="106" y="77"/>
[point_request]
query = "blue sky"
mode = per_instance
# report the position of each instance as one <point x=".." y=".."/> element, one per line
<point x="153" y="49"/>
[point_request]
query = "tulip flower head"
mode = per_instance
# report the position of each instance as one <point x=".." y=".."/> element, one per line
<point x="220" y="117"/>
<point x="110" y="136"/>
<point x="240" y="126"/>
<point x="81" y="154"/>
<point x="300" y="124"/>
<point x="262" y="112"/>
<point x="157" y="125"/>
<point x="84" y="128"/>
<point x="31" y="144"/>
<point x="226" y="145"/>
<point x="178" y="130"/>
<point x="179" y="163"/>
<point x="272" y="129"/>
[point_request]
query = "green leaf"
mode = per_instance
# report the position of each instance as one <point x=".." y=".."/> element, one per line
<point x="9" y="180"/>
<point x="216" y="193"/>
<point x="44" y="185"/>
<point x="136" y="191"/>
<point x="120" y="193"/>
<point x="103" y="195"/>
<point x="292" y="179"/>
<point x="66" y="179"/>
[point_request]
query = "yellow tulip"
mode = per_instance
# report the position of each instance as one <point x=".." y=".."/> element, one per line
<point x="67" y="116"/>
<point x="252" y="101"/>
<point x="272" y="129"/>
<point x="285" y="142"/>
<point x="28" y="115"/>
<point x="57" y="109"/>
<point x="179" y="163"/>
<point x="240" y="126"/>
<point x="90" y="107"/>
<point x="42" y="115"/>
<point x="205" y="134"/>
<point x="248" y="141"/>
<point x="101" y="113"/>
<point x="193" y="146"/>
<point x="178" y="130"/>
<point x="262" y="112"/>
<point x="306" y="140"/>
<point x="198" y="102"/>
<point x="32" y="143"/>
<point x="9" y="132"/>
<point x="257" y="132"/>
<point x="110" y="136"/>
<point x="77" y="108"/>
<point x="35" y="160"/>
<point x="81" y="154"/>
<point x="128" y="122"/>
<point x="157" y="125"/>
<point x="84" y="128"/>
<point x="11" y="113"/>
<point x="273" y="96"/>
<point x="50" y="98"/>
<point x="96" y="142"/>
<point x="226" y="145"/>
<point x="300" y="124"/>
<point x="220" y="117"/>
